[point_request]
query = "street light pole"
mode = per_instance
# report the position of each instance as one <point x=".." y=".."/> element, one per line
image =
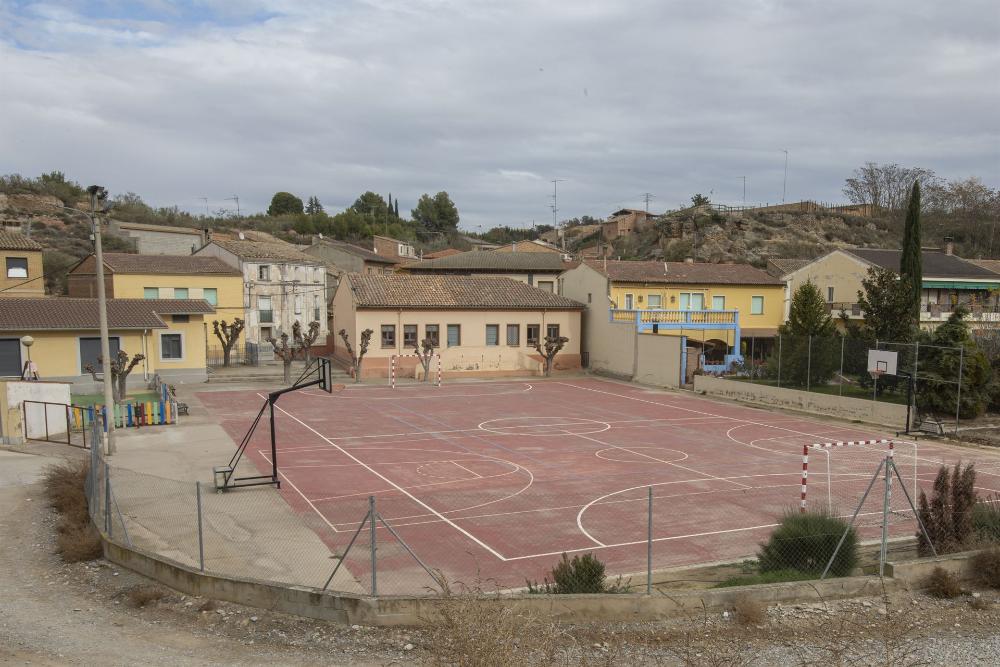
<point x="97" y="196"/>
<point x="784" y="181"/>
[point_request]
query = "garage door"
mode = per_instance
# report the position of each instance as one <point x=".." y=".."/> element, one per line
<point x="10" y="357"/>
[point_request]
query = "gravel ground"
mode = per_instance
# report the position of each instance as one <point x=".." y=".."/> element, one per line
<point x="52" y="613"/>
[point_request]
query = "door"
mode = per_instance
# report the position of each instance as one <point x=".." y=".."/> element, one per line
<point x="628" y="302"/>
<point x="10" y="357"/>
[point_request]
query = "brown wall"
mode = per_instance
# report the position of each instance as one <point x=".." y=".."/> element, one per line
<point x="82" y="280"/>
<point x="25" y="289"/>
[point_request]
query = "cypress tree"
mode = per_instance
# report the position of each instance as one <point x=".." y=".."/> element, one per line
<point x="910" y="261"/>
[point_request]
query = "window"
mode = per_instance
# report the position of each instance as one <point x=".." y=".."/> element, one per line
<point x="266" y="333"/>
<point x="718" y="303"/>
<point x="316" y="307"/>
<point x="590" y="297"/>
<point x="211" y="295"/>
<point x="628" y="301"/>
<point x="17" y="267"/>
<point x="692" y="301"/>
<point x="171" y="346"/>
<point x="492" y="334"/>
<point x="829" y="294"/>
<point x="180" y="292"/>
<point x="10" y="357"/>
<point x="409" y="335"/>
<point x="514" y="334"/>
<point x="756" y="305"/>
<point x="90" y="350"/>
<point x="433" y="332"/>
<point x="454" y="335"/>
<point x="181" y="319"/>
<point x="547" y="285"/>
<point x="388" y="335"/>
<point x="150" y="292"/>
<point x="552" y="331"/>
<point x="532" y="334"/>
<point x="298" y="304"/>
<point x="264" y="306"/>
<point x="264" y="272"/>
<point x="654" y="301"/>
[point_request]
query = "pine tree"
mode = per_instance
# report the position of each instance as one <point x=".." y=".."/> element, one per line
<point x="910" y="265"/>
<point x="810" y="346"/>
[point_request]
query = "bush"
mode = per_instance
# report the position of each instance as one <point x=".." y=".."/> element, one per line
<point x="942" y="584"/>
<point x="805" y="542"/>
<point x="140" y="596"/>
<point x="986" y="520"/>
<point x="948" y="515"/>
<point x="77" y="540"/>
<point x="748" y="611"/>
<point x="582" y="574"/>
<point x="986" y="568"/>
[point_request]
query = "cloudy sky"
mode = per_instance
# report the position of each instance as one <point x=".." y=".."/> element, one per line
<point x="493" y="100"/>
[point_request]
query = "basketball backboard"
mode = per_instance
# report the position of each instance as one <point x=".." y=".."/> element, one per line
<point x="325" y="381"/>
<point x="882" y="361"/>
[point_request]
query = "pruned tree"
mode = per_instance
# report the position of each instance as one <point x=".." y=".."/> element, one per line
<point x="366" y="337"/>
<point x="285" y="352"/>
<point x="228" y="334"/>
<point x="305" y="341"/>
<point x="553" y="344"/>
<point x="425" y="353"/>
<point x="121" y="366"/>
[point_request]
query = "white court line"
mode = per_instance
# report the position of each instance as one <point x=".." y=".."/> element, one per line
<point x="478" y="476"/>
<point x="432" y="393"/>
<point x="308" y="502"/>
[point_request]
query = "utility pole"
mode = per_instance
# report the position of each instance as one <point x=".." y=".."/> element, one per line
<point x="744" y="190"/>
<point x="555" y="199"/>
<point x="647" y="196"/>
<point x="784" y="181"/>
<point x="97" y="197"/>
<point x="205" y="199"/>
<point x="236" y="199"/>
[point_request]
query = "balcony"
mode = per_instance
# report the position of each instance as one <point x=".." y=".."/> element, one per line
<point x="853" y="310"/>
<point x="654" y="320"/>
<point x="939" y="312"/>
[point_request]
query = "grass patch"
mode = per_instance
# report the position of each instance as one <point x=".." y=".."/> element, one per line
<point x="942" y="584"/>
<point x="86" y="400"/>
<point x="847" y="390"/>
<point x="772" y="577"/>
<point x="76" y="539"/>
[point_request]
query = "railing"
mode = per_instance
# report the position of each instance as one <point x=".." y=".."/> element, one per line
<point x="242" y="354"/>
<point x="644" y="319"/>
<point x="266" y="316"/>
<point x="837" y="307"/>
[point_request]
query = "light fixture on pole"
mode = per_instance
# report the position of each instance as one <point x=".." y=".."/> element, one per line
<point x="29" y="371"/>
<point x="99" y="204"/>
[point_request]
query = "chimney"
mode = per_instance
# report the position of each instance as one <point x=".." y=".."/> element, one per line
<point x="206" y="234"/>
<point x="689" y="260"/>
<point x="949" y="245"/>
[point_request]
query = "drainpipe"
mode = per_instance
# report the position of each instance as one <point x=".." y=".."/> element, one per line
<point x="145" y="355"/>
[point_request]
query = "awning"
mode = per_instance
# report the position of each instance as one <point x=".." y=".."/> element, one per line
<point x="961" y="284"/>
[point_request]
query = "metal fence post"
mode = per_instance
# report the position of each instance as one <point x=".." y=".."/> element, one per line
<point x="201" y="535"/>
<point x="752" y="341"/>
<point x="958" y="395"/>
<point x="840" y="384"/>
<point x="371" y="527"/>
<point x="107" y="499"/>
<point x="809" y="361"/>
<point x="649" y="544"/>
<point x="779" y="360"/>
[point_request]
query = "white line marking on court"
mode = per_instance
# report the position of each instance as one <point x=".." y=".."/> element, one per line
<point x="478" y="476"/>
<point x="385" y="479"/>
<point x="308" y="502"/>
<point x="432" y="393"/>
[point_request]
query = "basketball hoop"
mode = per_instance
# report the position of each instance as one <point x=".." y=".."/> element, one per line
<point x="876" y="373"/>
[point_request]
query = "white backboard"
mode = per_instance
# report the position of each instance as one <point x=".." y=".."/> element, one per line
<point x="882" y="360"/>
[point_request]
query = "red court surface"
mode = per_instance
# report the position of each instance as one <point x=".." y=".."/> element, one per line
<point x="500" y="478"/>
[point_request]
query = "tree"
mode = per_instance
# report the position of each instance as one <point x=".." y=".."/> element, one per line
<point x="886" y="299"/>
<point x="121" y="366"/>
<point x="374" y="207"/>
<point x="807" y="354"/>
<point x="553" y="344"/>
<point x="286" y="353"/>
<point x="366" y="337"/>
<point x="947" y="516"/>
<point x="425" y="353"/>
<point x="313" y="207"/>
<point x="700" y="200"/>
<point x="227" y="334"/>
<point x="284" y="203"/>
<point x="910" y="264"/>
<point x="436" y="214"/>
<point x="884" y="187"/>
<point x="951" y="356"/>
<point x="305" y="341"/>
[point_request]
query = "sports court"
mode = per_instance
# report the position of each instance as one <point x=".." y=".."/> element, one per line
<point x="500" y="478"/>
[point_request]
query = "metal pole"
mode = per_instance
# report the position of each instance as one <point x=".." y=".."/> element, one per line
<point x="875" y="378"/>
<point x="201" y="535"/>
<point x="274" y="448"/>
<point x="886" y="498"/>
<point x="649" y="544"/>
<point x="97" y="193"/>
<point x="371" y="527"/>
<point x="913" y="507"/>
<point x="809" y="361"/>
<point x="752" y="340"/>
<point x="779" y="361"/>
<point x="840" y="384"/>
<point x="107" y="499"/>
<point x="958" y="396"/>
<point x="853" y="518"/>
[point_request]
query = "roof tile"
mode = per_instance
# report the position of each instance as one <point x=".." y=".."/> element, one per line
<point x="120" y="262"/>
<point x="17" y="241"/>
<point x="64" y="313"/>
<point x="273" y="250"/>
<point x="683" y="273"/>
<point x="453" y="293"/>
<point x="487" y="260"/>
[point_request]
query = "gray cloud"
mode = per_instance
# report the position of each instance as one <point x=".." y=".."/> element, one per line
<point x="490" y="101"/>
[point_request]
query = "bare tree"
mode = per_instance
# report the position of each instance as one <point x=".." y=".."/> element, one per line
<point x="366" y="337"/>
<point x="286" y="353"/>
<point x="425" y="353"/>
<point x="121" y="366"/>
<point x="305" y="341"/>
<point x="885" y="187"/>
<point x="227" y="334"/>
<point x="553" y="344"/>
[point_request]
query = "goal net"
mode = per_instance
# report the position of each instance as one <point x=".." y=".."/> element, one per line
<point x="835" y="476"/>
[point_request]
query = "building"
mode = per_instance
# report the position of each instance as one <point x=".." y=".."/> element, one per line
<point x="948" y="281"/>
<point x="160" y="239"/>
<point x="22" y="265"/>
<point x="398" y="251"/>
<point x="529" y="246"/>
<point x="281" y="284"/>
<point x="348" y="258"/>
<point x="539" y="269"/>
<point x="481" y="326"/>
<point x="623" y="222"/>
<point x="714" y="306"/>
<point x="170" y="333"/>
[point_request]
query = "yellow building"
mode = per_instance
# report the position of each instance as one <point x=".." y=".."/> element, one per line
<point x="21" y="259"/>
<point x="169" y="333"/>
<point x="481" y="326"/>
<point x="713" y="306"/>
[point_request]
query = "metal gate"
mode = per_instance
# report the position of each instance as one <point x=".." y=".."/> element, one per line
<point x="55" y="422"/>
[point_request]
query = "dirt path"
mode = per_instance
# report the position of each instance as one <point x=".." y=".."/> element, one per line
<point x="53" y="613"/>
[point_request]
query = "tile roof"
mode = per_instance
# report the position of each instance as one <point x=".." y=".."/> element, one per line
<point x="453" y="293"/>
<point x="487" y="260"/>
<point x="442" y="253"/>
<point x="277" y="251"/>
<point x="64" y="313"/>
<point x="358" y="251"/>
<point x="163" y="229"/>
<point x="683" y="273"/>
<point x="779" y="267"/>
<point x="936" y="264"/>
<point x="988" y="264"/>
<point x="120" y="262"/>
<point x="17" y="241"/>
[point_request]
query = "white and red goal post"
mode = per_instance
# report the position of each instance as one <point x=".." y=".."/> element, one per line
<point x="392" y="368"/>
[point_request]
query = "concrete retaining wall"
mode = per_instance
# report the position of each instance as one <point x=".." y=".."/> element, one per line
<point x="874" y="412"/>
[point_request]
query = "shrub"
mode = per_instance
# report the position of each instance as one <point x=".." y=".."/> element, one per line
<point x="948" y="515"/>
<point x="748" y="611"/>
<point x="772" y="577"/>
<point x="582" y="574"/>
<point x="77" y="540"/>
<point x="805" y="542"/>
<point x="140" y="596"/>
<point x="986" y="519"/>
<point x="986" y="567"/>
<point x="942" y="584"/>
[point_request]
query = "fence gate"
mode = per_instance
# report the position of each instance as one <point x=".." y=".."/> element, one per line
<point x="55" y="422"/>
